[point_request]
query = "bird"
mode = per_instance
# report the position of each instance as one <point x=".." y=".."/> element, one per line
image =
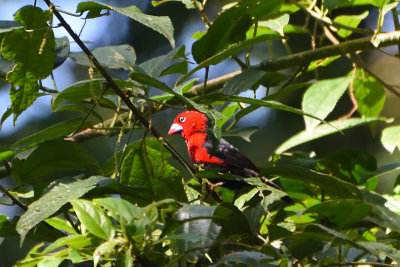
<point x="193" y="126"/>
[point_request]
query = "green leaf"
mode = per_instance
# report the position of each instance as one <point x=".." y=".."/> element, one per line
<point x="391" y="138"/>
<point x="93" y="219"/>
<point x="277" y="24"/>
<point x="332" y="4"/>
<point x="378" y="3"/>
<point x="5" y="115"/>
<point x="112" y="57"/>
<point x="81" y="109"/>
<point x="58" y="194"/>
<point x="351" y="21"/>
<point x="330" y="184"/>
<point x="380" y="214"/>
<point x="121" y="207"/>
<point x="62" y="224"/>
<point x="57" y="130"/>
<point x="320" y="99"/>
<point x="37" y="51"/>
<point x="3" y="219"/>
<point x="156" y="66"/>
<point x="160" y="24"/>
<point x="146" y="165"/>
<point x="230" y="27"/>
<point x="243" y="82"/>
<point x="107" y="247"/>
<point x="369" y="93"/>
<point x="24" y="89"/>
<point x="244" y="258"/>
<point x="188" y="4"/>
<point x="46" y="160"/>
<point x="349" y="165"/>
<point x="379" y="249"/>
<point x="62" y="50"/>
<point x="324" y="130"/>
<point x="9" y="25"/>
<point x="94" y="9"/>
<point x="73" y="241"/>
<point x="343" y="213"/>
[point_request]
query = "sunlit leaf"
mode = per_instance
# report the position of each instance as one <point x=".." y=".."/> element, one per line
<point x="391" y="138"/>
<point x="320" y="99"/>
<point x="324" y="130"/>
<point x="93" y="218"/>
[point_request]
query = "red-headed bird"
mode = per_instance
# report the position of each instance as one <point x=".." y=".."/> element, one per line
<point x="192" y="125"/>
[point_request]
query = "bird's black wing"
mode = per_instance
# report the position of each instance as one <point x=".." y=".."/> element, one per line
<point x="236" y="162"/>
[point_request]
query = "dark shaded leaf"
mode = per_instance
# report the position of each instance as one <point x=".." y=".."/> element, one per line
<point x="62" y="50"/>
<point x="46" y="160"/>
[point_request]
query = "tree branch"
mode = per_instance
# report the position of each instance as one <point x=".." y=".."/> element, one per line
<point x="304" y="58"/>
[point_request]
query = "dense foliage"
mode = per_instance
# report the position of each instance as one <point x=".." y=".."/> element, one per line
<point x="146" y="205"/>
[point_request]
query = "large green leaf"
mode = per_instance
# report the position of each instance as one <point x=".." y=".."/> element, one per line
<point x="24" y="89"/>
<point x="52" y="157"/>
<point x="156" y="66"/>
<point x="350" y="21"/>
<point x="57" y="195"/>
<point x="349" y="165"/>
<point x="74" y="241"/>
<point x="160" y="24"/>
<point x="343" y="213"/>
<point x="329" y="184"/>
<point x="324" y="130"/>
<point x="112" y="57"/>
<point x="146" y="165"/>
<point x="93" y="218"/>
<point x="320" y="99"/>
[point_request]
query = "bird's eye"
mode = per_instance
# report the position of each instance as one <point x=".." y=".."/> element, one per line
<point x="182" y="119"/>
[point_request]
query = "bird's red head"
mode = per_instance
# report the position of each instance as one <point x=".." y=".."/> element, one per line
<point x="189" y="122"/>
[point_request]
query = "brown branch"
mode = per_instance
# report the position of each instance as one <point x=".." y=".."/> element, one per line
<point x="352" y="46"/>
